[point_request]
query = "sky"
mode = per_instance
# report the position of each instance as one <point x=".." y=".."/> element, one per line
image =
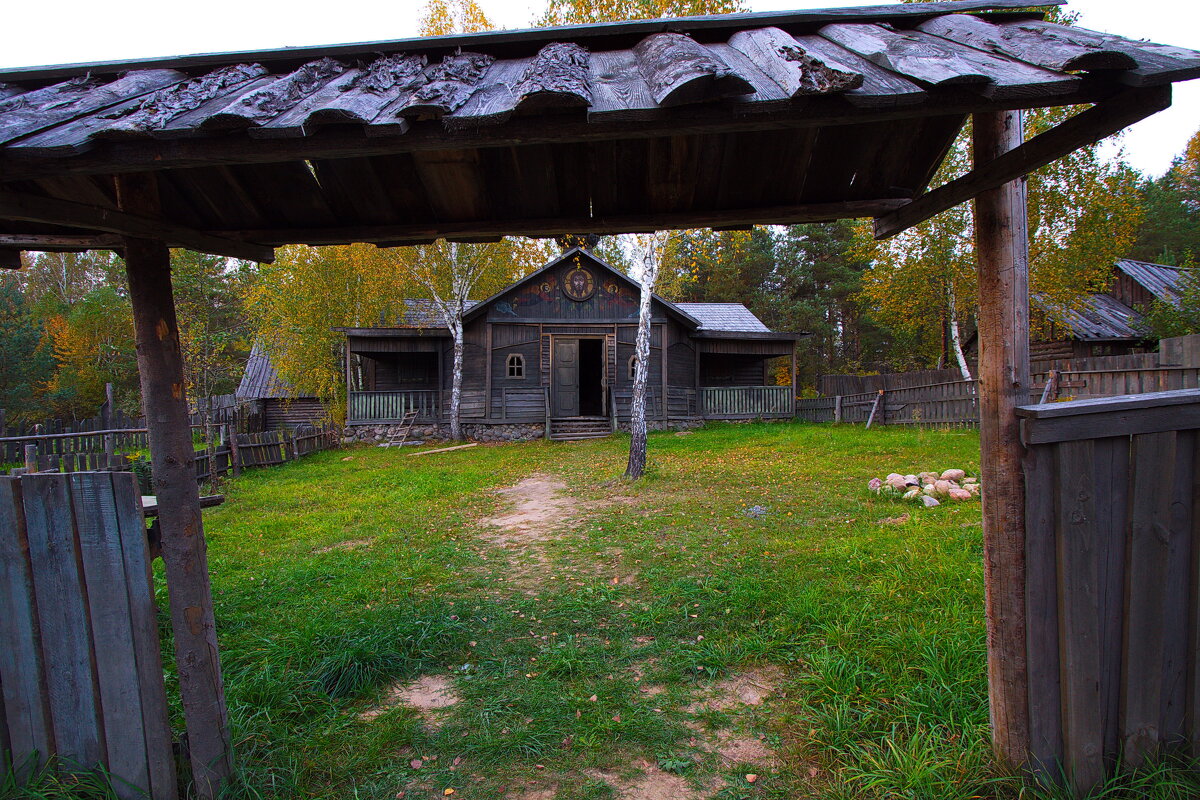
<point x="67" y="31"/>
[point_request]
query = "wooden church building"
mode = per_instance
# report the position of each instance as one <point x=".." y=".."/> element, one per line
<point x="553" y="355"/>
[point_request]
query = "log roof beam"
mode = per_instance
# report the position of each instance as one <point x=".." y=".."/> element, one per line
<point x="1086" y="128"/>
<point x="47" y="210"/>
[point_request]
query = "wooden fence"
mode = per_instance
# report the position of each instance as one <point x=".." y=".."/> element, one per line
<point x="80" y="664"/>
<point x="1112" y="588"/>
<point x="745" y="402"/>
<point x="386" y="407"/>
<point x="232" y="453"/>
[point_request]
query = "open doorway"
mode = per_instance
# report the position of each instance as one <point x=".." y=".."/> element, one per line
<point x="591" y="377"/>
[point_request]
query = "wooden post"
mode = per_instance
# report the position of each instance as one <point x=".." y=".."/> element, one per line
<point x="234" y="461"/>
<point x="795" y="380"/>
<point x="837" y="408"/>
<point x="31" y="460"/>
<point x="160" y="367"/>
<point x="875" y="409"/>
<point x="107" y="419"/>
<point x="1002" y="250"/>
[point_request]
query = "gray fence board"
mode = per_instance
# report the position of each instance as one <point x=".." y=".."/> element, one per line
<point x="112" y="629"/>
<point x="62" y="615"/>
<point x="26" y="716"/>
<point x="80" y="666"/>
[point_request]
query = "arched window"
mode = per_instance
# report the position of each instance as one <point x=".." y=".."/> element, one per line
<point x="632" y="365"/>
<point x="516" y="366"/>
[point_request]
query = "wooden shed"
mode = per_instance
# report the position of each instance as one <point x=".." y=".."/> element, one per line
<point x="555" y="351"/>
<point x="280" y="404"/>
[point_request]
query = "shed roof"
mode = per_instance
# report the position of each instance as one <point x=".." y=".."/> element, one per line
<point x="260" y="381"/>
<point x="716" y="121"/>
<point x="1104" y="318"/>
<point x="1160" y="280"/>
<point x="730" y="317"/>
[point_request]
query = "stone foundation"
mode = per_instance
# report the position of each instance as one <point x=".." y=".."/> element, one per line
<point x="476" y="432"/>
<point x="489" y="432"/>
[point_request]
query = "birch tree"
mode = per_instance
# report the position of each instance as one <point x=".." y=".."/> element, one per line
<point x="451" y="274"/>
<point x="649" y="248"/>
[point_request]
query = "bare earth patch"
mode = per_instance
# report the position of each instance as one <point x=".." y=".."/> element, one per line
<point x="428" y="694"/>
<point x="651" y="784"/>
<point x="353" y="544"/>
<point x="749" y="688"/>
<point x="741" y="749"/>
<point x="538" y="508"/>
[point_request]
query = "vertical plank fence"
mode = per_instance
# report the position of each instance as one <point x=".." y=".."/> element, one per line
<point x="1113" y="581"/>
<point x="80" y="664"/>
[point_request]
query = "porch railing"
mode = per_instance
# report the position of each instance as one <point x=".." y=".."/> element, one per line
<point x="367" y="407"/>
<point x="746" y="402"/>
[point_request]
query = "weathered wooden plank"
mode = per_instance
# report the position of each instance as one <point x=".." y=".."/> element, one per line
<point x="619" y="90"/>
<point x="1080" y="623"/>
<point x="94" y="507"/>
<point x="939" y="62"/>
<point x="1177" y="657"/>
<point x="1112" y="483"/>
<point x="495" y="100"/>
<point x="795" y="70"/>
<point x="26" y="713"/>
<point x="1124" y="423"/>
<point x="340" y="100"/>
<point x="76" y="97"/>
<point x="1192" y="689"/>
<point x="63" y="618"/>
<point x="1041" y="604"/>
<point x="450" y="83"/>
<point x="147" y="652"/>
<point x="1149" y="547"/>
<point x="1175" y="397"/>
<point x="260" y="105"/>
<point x="559" y="76"/>
<point x="1157" y="64"/>
<point x="679" y="71"/>
<point x="904" y="14"/>
<point x="1054" y="48"/>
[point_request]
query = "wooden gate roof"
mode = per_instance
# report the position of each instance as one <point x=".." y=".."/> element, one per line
<point x="710" y="121"/>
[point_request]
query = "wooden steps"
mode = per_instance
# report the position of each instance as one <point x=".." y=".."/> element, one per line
<point x="574" y="429"/>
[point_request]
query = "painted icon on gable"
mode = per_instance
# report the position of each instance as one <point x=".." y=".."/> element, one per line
<point x="579" y="284"/>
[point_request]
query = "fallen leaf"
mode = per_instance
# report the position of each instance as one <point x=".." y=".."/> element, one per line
<point x="900" y="520"/>
<point x="416" y="763"/>
<point x="448" y="792"/>
<point x="751" y="778"/>
<point x="593" y="699"/>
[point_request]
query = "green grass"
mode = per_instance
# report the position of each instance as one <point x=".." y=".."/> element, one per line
<point x="871" y="626"/>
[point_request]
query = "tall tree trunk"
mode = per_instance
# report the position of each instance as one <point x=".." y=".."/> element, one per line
<point x="956" y="339"/>
<point x="456" y="330"/>
<point x="641" y="371"/>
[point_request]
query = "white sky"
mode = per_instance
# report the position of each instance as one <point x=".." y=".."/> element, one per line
<point x="64" y="31"/>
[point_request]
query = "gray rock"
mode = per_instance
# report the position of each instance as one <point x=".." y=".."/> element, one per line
<point x="929" y="502"/>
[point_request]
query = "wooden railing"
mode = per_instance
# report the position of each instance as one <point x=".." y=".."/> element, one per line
<point x="365" y="407"/>
<point x="745" y="402"/>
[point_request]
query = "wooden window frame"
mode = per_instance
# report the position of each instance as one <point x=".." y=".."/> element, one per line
<point x="514" y="365"/>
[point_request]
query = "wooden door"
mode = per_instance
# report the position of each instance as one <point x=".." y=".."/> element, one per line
<point x="566" y="377"/>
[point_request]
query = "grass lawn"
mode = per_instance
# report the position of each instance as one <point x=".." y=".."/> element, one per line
<point x="399" y="627"/>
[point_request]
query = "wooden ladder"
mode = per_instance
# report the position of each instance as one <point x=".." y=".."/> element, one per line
<point x="398" y="438"/>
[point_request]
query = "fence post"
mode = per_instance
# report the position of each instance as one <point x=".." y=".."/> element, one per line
<point x="837" y="408"/>
<point x="234" y="461"/>
<point x="31" y="458"/>
<point x="875" y="408"/>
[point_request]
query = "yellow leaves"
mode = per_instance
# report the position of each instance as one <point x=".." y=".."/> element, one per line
<point x="445" y="17"/>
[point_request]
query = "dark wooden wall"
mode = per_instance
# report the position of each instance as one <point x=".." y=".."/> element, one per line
<point x="296" y="411"/>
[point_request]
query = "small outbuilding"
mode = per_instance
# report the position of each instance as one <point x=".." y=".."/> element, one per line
<point x="553" y="354"/>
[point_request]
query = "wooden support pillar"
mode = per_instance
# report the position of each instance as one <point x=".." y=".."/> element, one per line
<point x="160" y="367"/>
<point x="1002" y="250"/>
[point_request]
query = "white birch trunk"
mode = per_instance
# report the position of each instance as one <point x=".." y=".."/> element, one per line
<point x="641" y="371"/>
<point x="456" y="331"/>
<point x="956" y="339"/>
